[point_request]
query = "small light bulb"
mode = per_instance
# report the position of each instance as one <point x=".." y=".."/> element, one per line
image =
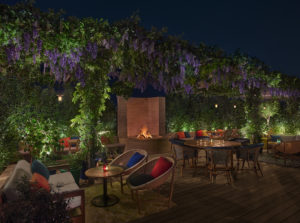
<point x="216" y="105"/>
<point x="59" y="97"/>
<point x="234" y="106"/>
<point x="264" y="108"/>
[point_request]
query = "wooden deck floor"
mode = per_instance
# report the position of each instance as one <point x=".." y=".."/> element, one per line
<point x="272" y="198"/>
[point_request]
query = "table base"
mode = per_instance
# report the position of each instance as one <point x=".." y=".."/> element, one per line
<point x="110" y="201"/>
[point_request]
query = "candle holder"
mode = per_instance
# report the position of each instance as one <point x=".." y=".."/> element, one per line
<point x="105" y="167"/>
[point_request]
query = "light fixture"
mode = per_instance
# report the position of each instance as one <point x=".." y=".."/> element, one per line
<point x="216" y="105"/>
<point x="264" y="108"/>
<point x="60" y="97"/>
<point x="234" y="106"/>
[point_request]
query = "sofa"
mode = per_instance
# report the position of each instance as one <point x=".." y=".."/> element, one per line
<point x="286" y="144"/>
<point x="63" y="183"/>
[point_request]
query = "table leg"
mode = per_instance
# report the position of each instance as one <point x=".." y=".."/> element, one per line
<point x="105" y="197"/>
<point x="105" y="200"/>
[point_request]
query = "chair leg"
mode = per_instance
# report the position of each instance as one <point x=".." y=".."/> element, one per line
<point x="171" y="188"/>
<point x="121" y="182"/>
<point x="260" y="169"/>
<point x="132" y="197"/>
<point x="243" y="164"/>
<point x="138" y="201"/>
<point x="111" y="182"/>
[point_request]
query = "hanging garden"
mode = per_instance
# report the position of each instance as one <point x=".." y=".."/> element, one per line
<point x="87" y="62"/>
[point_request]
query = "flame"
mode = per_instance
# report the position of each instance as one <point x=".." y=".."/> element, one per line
<point x="144" y="133"/>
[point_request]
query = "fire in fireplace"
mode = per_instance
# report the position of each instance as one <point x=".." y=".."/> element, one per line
<point x="144" y="133"/>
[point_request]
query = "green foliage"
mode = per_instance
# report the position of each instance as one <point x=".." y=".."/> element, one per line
<point x="35" y="205"/>
<point x="196" y="112"/>
<point x="253" y="127"/>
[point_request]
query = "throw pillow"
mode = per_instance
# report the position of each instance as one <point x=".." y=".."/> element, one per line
<point x="136" y="157"/>
<point x="187" y="135"/>
<point x="199" y="133"/>
<point x="180" y="135"/>
<point x="160" y="167"/>
<point x="39" y="181"/>
<point x="204" y="132"/>
<point x="140" y="179"/>
<point x="38" y="167"/>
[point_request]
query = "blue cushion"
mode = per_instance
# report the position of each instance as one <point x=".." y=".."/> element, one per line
<point x="140" y="179"/>
<point x="275" y="138"/>
<point x="75" y="137"/>
<point x="187" y="135"/>
<point x="134" y="159"/>
<point x="38" y="167"/>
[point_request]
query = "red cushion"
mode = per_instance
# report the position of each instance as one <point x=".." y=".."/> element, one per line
<point x="65" y="141"/>
<point x="199" y="133"/>
<point x="39" y="181"/>
<point x="161" y="166"/>
<point x="180" y="135"/>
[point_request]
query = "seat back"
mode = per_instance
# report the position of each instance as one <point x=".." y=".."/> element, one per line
<point x="123" y="159"/>
<point x="219" y="156"/>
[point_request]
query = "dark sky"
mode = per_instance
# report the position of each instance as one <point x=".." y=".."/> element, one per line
<point x="268" y="30"/>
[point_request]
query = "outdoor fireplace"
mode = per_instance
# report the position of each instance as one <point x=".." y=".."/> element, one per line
<point x="141" y="123"/>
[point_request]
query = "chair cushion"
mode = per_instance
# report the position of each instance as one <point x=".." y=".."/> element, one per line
<point x="39" y="181"/>
<point x="180" y="135"/>
<point x="22" y="170"/>
<point x="199" y="133"/>
<point x="187" y="135"/>
<point x="65" y="141"/>
<point x="61" y="179"/>
<point x="38" y="167"/>
<point x="140" y="179"/>
<point x="160" y="167"/>
<point x="135" y="158"/>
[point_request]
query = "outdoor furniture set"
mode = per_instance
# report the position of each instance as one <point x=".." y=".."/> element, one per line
<point x="218" y="153"/>
<point x="287" y="147"/>
<point x="142" y="175"/>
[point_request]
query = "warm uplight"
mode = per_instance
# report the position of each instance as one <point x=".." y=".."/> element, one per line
<point x="216" y="105"/>
<point x="264" y="108"/>
<point x="60" y="97"/>
<point x="234" y="106"/>
<point x="144" y="133"/>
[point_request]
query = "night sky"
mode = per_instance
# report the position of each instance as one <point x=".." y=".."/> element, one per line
<point x="268" y="30"/>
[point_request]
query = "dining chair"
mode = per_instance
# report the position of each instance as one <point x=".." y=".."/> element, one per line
<point x="219" y="160"/>
<point x="183" y="154"/>
<point x="250" y="153"/>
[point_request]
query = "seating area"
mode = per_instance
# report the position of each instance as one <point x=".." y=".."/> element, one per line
<point x="114" y="122"/>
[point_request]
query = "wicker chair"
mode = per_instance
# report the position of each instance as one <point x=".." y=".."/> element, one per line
<point x="250" y="153"/>
<point x="219" y="160"/>
<point x="156" y="182"/>
<point x="123" y="159"/>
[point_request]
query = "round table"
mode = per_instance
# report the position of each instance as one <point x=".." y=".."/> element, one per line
<point x="206" y="144"/>
<point x="104" y="200"/>
<point x="212" y="144"/>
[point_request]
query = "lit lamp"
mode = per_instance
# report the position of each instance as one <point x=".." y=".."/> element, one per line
<point x="234" y="106"/>
<point x="60" y="97"/>
<point x="264" y="108"/>
<point x="216" y="105"/>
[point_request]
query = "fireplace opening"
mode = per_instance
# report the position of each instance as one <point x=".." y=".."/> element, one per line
<point x="144" y="133"/>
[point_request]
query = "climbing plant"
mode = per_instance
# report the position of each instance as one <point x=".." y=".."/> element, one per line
<point x="99" y="58"/>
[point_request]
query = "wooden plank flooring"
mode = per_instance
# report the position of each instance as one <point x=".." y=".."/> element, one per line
<point x="275" y="197"/>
